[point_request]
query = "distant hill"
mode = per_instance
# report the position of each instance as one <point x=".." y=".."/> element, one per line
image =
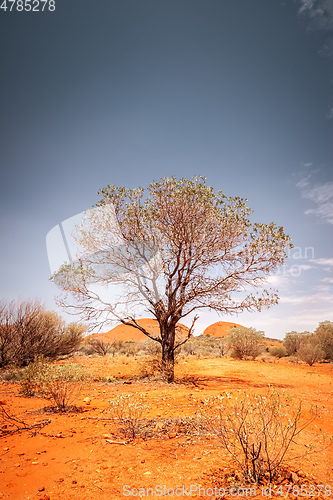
<point x="220" y="329"/>
<point x="124" y="332"/>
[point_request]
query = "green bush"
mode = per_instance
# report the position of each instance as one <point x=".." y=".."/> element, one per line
<point x="244" y="342"/>
<point x="310" y="353"/>
<point x="32" y="376"/>
<point x="59" y="384"/>
<point x="62" y="385"/>
<point x="278" y="351"/>
<point x="293" y="340"/>
<point x="324" y="336"/>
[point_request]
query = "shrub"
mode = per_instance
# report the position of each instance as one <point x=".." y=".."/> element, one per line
<point x="59" y="384"/>
<point x="292" y="341"/>
<point x="244" y="342"/>
<point x="32" y="376"/>
<point x="278" y="351"/>
<point x="62" y="385"/>
<point x="129" y="411"/>
<point x="100" y="347"/>
<point x="310" y="353"/>
<point x="257" y="430"/>
<point x="324" y="336"/>
<point x="28" y="330"/>
<point x="129" y="348"/>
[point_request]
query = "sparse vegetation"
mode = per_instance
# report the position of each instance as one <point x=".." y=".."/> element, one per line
<point x="310" y="352"/>
<point x="27" y="330"/>
<point x="129" y="411"/>
<point x="245" y="342"/>
<point x="257" y="430"/>
<point x="102" y="348"/>
<point x="59" y="384"/>
<point x="324" y="336"/>
<point x="278" y="351"/>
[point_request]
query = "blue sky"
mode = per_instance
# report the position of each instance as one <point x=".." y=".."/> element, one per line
<point x="125" y="92"/>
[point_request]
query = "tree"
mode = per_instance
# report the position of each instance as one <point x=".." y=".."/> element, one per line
<point x="27" y="330"/>
<point x="180" y="249"/>
<point x="324" y="335"/>
<point x="309" y="350"/>
<point x="292" y="341"/>
<point x="245" y="342"/>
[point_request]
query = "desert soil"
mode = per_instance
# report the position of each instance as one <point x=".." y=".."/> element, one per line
<point x="79" y="454"/>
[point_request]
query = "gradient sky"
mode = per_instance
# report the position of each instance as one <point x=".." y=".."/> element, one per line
<point x="127" y="91"/>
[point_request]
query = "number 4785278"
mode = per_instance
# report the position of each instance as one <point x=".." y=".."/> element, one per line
<point x="28" y="5"/>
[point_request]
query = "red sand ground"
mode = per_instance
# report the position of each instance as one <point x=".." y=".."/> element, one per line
<point x="71" y="457"/>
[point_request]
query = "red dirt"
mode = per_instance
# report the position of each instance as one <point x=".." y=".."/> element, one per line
<point x="72" y="458"/>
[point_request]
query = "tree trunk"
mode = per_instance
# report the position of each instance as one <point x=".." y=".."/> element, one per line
<point x="168" y="355"/>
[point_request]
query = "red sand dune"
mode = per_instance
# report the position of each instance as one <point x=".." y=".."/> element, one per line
<point x="220" y="329"/>
<point x="124" y="332"/>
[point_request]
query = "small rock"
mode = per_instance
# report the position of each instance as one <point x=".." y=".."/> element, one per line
<point x="42" y="488"/>
<point x="44" y="497"/>
<point x="34" y="463"/>
<point x="6" y="449"/>
<point x="17" y="465"/>
<point x="172" y="435"/>
<point x="294" y="477"/>
<point x="74" y="482"/>
<point x="142" y="461"/>
<point x="87" y="401"/>
<point x="147" y="473"/>
<point x="3" y="403"/>
<point x="127" y="382"/>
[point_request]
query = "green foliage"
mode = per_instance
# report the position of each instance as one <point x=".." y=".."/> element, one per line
<point x="292" y="341"/>
<point x="62" y="385"/>
<point x="324" y="335"/>
<point x="245" y="342"/>
<point x="278" y="351"/>
<point x="205" y="346"/>
<point x="59" y="384"/>
<point x="33" y="375"/>
<point x="310" y="352"/>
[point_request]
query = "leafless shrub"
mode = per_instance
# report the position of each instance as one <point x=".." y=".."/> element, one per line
<point x="129" y="411"/>
<point x="100" y="347"/>
<point x="10" y="424"/>
<point x="259" y="431"/>
<point x="28" y="330"/>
